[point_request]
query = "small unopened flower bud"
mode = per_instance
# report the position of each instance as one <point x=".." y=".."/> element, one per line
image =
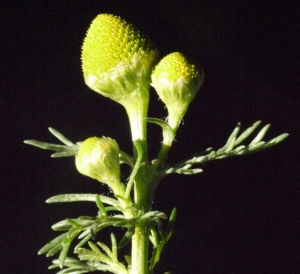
<point x="176" y="81"/>
<point x="98" y="158"/>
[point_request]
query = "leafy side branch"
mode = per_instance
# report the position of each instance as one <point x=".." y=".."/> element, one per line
<point x="86" y="228"/>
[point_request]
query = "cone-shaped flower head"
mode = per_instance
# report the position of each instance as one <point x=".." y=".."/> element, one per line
<point x="116" y="57"/>
<point x="117" y="62"/>
<point x="98" y="158"/>
<point x="176" y="81"/>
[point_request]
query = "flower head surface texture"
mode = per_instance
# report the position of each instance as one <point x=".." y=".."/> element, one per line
<point x="98" y="158"/>
<point x="110" y="40"/>
<point x="176" y="78"/>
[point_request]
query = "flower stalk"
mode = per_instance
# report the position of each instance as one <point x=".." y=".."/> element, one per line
<point x="177" y="82"/>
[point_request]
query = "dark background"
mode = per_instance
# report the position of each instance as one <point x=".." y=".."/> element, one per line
<point x="242" y="214"/>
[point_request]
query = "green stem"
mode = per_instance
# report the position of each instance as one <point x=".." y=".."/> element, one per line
<point x="143" y="200"/>
<point x="163" y="153"/>
<point x="139" y="252"/>
<point x="143" y="179"/>
<point x="137" y="109"/>
<point x="176" y="113"/>
<point x="143" y="183"/>
<point x="144" y="187"/>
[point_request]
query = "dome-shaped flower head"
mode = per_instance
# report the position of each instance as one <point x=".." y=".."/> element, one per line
<point x="98" y="158"/>
<point x="176" y="81"/>
<point x="117" y="61"/>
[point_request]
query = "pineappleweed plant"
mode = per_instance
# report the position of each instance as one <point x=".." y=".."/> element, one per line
<point x="119" y="63"/>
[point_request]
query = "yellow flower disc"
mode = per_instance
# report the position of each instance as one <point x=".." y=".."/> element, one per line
<point x="111" y="40"/>
<point x="175" y="66"/>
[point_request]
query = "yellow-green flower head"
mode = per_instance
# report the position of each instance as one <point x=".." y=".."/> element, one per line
<point x="176" y="79"/>
<point x="98" y="158"/>
<point x="116" y="57"/>
<point x="177" y="82"/>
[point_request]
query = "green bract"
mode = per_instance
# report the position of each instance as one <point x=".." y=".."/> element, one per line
<point x="176" y="81"/>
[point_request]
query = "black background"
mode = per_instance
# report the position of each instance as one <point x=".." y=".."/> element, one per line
<point x="242" y="214"/>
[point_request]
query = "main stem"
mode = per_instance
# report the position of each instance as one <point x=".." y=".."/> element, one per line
<point x="139" y="251"/>
<point x="143" y="197"/>
<point x="137" y="110"/>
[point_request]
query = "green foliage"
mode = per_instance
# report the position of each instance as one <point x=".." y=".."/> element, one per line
<point x="232" y="148"/>
<point x="85" y="229"/>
